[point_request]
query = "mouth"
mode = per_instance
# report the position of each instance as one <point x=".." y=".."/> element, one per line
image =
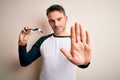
<point x="57" y="29"/>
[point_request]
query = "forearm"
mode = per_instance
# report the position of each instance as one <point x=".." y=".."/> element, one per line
<point x="27" y="58"/>
<point x="23" y="57"/>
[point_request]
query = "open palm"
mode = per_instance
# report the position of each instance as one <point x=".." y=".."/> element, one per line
<point x="80" y="53"/>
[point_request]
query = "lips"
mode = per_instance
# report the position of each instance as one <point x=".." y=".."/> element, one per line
<point x="57" y="27"/>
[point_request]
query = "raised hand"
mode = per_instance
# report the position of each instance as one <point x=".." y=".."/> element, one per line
<point x="80" y="53"/>
<point x="24" y="36"/>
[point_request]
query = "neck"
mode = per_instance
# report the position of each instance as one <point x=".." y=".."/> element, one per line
<point x="61" y="34"/>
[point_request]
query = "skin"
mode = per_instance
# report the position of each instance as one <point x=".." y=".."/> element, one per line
<point x="80" y="53"/>
<point x="58" y="21"/>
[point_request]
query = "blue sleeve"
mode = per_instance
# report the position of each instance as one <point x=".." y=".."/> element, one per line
<point x="84" y="66"/>
<point x="27" y="58"/>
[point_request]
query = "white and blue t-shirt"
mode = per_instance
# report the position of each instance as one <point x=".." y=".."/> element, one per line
<point x="55" y="65"/>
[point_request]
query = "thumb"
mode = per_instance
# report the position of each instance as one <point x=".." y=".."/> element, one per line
<point x="66" y="53"/>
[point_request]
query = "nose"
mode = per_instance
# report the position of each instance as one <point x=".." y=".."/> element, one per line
<point x="56" y="23"/>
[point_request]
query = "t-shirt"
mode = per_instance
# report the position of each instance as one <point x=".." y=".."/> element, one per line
<point x="55" y="65"/>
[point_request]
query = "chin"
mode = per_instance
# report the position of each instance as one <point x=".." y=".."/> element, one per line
<point x="58" y="31"/>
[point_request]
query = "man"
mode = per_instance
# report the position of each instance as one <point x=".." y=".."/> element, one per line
<point x="61" y="53"/>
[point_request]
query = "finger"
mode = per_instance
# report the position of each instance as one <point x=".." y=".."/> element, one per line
<point x="66" y="53"/>
<point x="82" y="35"/>
<point x="73" y="39"/>
<point x="87" y="38"/>
<point x="22" y="31"/>
<point x="27" y="30"/>
<point x="77" y="32"/>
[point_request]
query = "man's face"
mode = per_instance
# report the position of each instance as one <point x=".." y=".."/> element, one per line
<point x="57" y="21"/>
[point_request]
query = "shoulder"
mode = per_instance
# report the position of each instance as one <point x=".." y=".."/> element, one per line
<point x="43" y="38"/>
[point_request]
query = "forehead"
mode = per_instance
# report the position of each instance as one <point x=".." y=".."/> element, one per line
<point x="55" y="15"/>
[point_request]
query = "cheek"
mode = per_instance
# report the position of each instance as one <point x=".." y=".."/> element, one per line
<point x="51" y="24"/>
<point x="64" y="22"/>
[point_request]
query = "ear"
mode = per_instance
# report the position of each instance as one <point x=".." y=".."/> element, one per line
<point x="66" y="17"/>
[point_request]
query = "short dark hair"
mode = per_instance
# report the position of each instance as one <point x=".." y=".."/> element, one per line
<point x="55" y="7"/>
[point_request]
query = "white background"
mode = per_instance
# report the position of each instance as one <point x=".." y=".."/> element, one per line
<point x="100" y="17"/>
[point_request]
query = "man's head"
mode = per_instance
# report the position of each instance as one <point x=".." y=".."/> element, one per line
<point x="55" y="8"/>
<point x="57" y="19"/>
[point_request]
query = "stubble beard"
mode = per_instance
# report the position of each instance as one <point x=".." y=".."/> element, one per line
<point x="59" y="30"/>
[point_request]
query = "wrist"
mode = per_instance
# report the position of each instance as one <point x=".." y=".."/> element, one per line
<point x="22" y="43"/>
<point x="84" y="66"/>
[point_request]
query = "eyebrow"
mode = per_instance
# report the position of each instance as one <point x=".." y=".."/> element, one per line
<point x="57" y="18"/>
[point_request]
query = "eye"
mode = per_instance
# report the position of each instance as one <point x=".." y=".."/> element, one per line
<point x="51" y="21"/>
<point x="59" y="19"/>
